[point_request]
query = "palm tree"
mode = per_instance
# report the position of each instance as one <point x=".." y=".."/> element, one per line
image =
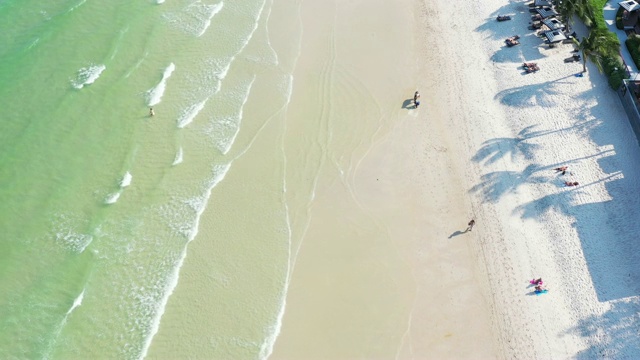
<point x="567" y="9"/>
<point x="598" y="44"/>
<point x="581" y="8"/>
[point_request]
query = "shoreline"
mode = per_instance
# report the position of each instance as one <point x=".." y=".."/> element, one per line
<point x="427" y="302"/>
<point x="377" y="196"/>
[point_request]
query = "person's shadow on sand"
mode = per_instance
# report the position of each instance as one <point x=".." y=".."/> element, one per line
<point x="408" y="104"/>
<point x="458" y="232"/>
<point x="533" y="293"/>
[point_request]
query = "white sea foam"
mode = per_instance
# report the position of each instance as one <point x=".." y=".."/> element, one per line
<point x="126" y="180"/>
<point x="212" y="11"/>
<point x="33" y="43"/>
<point x="159" y="1"/>
<point x="195" y="18"/>
<point x="58" y="329"/>
<point x="222" y="73"/>
<point x="77" y="302"/>
<point x="266" y="28"/>
<point x="219" y="172"/>
<point x="274" y="331"/>
<point x="73" y="240"/>
<point x="154" y="95"/>
<point x="239" y="117"/>
<point x="87" y="75"/>
<point x="289" y="90"/>
<point x="225" y="130"/>
<point x="266" y="349"/>
<point x="178" y="158"/>
<point x="112" y="198"/>
<point x="76" y="6"/>
<point x="117" y="42"/>
<point x="137" y="65"/>
<point x="66" y="229"/>
<point x="188" y="114"/>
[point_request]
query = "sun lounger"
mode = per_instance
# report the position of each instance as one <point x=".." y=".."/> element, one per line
<point x="503" y="17"/>
<point x="536" y="25"/>
<point x="575" y="57"/>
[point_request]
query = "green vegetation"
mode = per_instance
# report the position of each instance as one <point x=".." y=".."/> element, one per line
<point x="633" y="44"/>
<point x="619" y="24"/>
<point x="601" y="46"/>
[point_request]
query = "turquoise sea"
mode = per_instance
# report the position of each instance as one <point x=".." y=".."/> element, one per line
<point x="99" y="199"/>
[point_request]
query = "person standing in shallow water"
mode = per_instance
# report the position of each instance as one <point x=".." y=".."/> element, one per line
<point x="151" y="112"/>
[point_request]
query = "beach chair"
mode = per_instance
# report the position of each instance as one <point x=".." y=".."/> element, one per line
<point x="573" y="58"/>
<point x="503" y="17"/>
<point x="536" y="25"/>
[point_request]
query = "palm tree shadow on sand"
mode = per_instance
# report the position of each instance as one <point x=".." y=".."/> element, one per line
<point x="561" y="202"/>
<point x="621" y="342"/>
<point x="496" y="184"/>
<point x="541" y="94"/>
<point x="495" y="149"/>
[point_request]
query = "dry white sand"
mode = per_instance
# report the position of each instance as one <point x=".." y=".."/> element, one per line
<point x="509" y="130"/>
<point x="517" y="128"/>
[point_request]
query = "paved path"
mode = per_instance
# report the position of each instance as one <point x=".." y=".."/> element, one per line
<point x="609" y="12"/>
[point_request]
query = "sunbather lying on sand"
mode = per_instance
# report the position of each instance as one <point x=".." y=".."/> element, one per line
<point x="569" y="183"/>
<point x="512" y="42"/>
<point x="532" y="67"/>
<point x="561" y="168"/>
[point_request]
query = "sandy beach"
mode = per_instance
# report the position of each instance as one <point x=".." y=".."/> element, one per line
<point x="377" y="274"/>
<point x="378" y="195"/>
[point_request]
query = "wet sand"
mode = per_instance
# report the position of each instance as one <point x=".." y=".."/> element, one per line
<point x="385" y="268"/>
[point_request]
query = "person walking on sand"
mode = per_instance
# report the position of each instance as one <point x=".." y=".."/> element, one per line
<point x="417" y="104"/>
<point x="151" y="112"/>
<point x="471" y="224"/>
<point x="416" y="96"/>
